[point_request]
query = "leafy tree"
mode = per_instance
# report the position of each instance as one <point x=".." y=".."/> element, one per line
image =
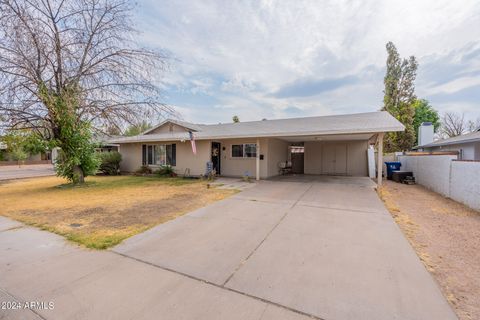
<point x="72" y="65"/>
<point x="35" y="144"/>
<point x="15" y="143"/>
<point x="138" y="128"/>
<point x="424" y="112"/>
<point x="235" y="119"/>
<point x="23" y="143"/>
<point x="77" y="157"/>
<point x="399" y="96"/>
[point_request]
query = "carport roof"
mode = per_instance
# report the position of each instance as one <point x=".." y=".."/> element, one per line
<point x="371" y="122"/>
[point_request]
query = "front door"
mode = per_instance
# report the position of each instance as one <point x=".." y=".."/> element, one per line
<point x="216" y="156"/>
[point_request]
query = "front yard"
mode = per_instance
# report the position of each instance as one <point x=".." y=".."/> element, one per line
<point x="105" y="210"/>
<point x="446" y="236"/>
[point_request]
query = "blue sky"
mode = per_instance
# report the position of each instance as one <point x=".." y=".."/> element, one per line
<point x="277" y="59"/>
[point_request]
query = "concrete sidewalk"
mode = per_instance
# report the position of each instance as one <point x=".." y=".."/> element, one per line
<point x="306" y="248"/>
<point x="26" y="171"/>
<point x="39" y="266"/>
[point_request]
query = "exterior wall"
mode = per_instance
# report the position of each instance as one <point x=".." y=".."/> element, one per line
<point x="34" y="157"/>
<point x="313" y="157"/>
<point x="273" y="151"/>
<point x="469" y="151"/>
<point x="237" y="167"/>
<point x="458" y="180"/>
<point x="277" y="152"/>
<point x="186" y="159"/>
<point x="430" y="171"/>
<point x="132" y="157"/>
<point x="168" y="127"/>
<point x="357" y="162"/>
<point x="465" y="183"/>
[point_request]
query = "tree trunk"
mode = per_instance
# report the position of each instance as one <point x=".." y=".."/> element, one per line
<point x="79" y="177"/>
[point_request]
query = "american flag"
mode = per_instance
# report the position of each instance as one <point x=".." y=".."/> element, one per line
<point x="192" y="141"/>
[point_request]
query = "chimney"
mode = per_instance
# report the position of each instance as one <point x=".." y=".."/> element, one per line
<point x="425" y="133"/>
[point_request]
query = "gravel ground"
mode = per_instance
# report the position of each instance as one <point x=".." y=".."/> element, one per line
<point x="446" y="236"/>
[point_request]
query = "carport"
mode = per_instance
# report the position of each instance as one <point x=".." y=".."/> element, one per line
<point x="342" y="155"/>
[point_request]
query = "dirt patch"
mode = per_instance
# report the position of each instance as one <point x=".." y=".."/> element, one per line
<point x="446" y="237"/>
<point x="107" y="209"/>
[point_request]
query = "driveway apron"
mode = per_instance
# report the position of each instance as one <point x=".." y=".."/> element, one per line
<point x="325" y="247"/>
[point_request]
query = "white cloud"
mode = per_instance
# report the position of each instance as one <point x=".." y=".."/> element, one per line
<point x="241" y="53"/>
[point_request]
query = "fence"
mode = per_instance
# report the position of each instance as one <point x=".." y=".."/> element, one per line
<point x="444" y="174"/>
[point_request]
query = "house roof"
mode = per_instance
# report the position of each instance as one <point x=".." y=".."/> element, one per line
<point x="193" y="127"/>
<point x="371" y="122"/>
<point x="464" y="138"/>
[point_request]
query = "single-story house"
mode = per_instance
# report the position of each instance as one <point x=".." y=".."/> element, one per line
<point x="467" y="145"/>
<point x="331" y="145"/>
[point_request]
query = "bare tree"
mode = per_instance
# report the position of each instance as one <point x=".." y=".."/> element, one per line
<point x="74" y="62"/>
<point x="473" y="125"/>
<point x="453" y="124"/>
<point x="81" y="44"/>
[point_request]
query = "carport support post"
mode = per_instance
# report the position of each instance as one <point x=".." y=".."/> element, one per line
<point x="257" y="161"/>
<point x="380" y="159"/>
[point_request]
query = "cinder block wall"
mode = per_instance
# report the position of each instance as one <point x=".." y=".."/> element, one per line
<point x="458" y="180"/>
<point x="465" y="183"/>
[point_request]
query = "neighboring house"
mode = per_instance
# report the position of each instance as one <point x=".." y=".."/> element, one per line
<point x="32" y="158"/>
<point x="467" y="145"/>
<point x="103" y="144"/>
<point x="333" y="145"/>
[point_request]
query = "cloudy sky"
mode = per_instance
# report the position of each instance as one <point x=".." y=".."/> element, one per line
<point x="276" y="59"/>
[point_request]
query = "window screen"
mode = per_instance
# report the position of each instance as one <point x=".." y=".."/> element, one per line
<point x="237" y="150"/>
<point x="250" y="150"/>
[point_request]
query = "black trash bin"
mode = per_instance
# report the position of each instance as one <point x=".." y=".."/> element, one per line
<point x="392" y="166"/>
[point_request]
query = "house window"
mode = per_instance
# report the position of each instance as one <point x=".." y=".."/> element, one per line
<point x="247" y="150"/>
<point x="159" y="154"/>
<point x="237" y="150"/>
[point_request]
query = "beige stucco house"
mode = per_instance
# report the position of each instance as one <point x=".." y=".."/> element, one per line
<point x="331" y="145"/>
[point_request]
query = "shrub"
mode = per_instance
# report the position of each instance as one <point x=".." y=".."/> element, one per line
<point x="165" y="170"/>
<point x="110" y="162"/>
<point x="144" y="170"/>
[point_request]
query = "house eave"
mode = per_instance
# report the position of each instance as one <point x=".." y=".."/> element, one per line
<point x="148" y="138"/>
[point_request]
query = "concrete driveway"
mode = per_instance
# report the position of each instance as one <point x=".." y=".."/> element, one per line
<point x="293" y="248"/>
<point x="26" y="171"/>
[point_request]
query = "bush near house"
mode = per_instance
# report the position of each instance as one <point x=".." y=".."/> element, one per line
<point x="166" y="170"/>
<point x="110" y="163"/>
<point x="143" y="170"/>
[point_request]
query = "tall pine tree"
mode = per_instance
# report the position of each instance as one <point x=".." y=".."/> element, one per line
<point x="399" y="98"/>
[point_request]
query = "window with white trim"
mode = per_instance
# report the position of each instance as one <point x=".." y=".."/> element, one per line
<point x="246" y="150"/>
<point x="159" y="154"/>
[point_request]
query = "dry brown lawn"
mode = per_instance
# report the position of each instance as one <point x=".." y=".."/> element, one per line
<point x="446" y="236"/>
<point x="105" y="210"/>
